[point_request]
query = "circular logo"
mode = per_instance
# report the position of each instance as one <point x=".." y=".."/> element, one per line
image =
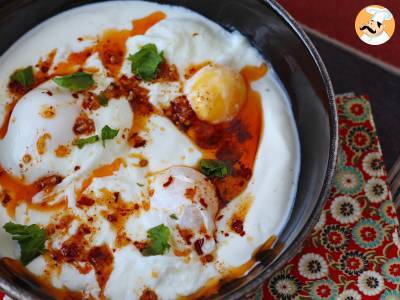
<point x="375" y="25"/>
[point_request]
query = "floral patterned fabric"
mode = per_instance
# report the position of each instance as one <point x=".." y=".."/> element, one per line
<point x="353" y="253"/>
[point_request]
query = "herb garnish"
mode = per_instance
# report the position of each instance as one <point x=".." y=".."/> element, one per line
<point x="107" y="133"/>
<point x="24" y="76"/>
<point x="103" y="100"/>
<point x="82" y="142"/>
<point x="159" y="241"/>
<point x="76" y="82"/>
<point x="214" y="168"/>
<point x="173" y="216"/>
<point x="146" y="61"/>
<point x="31" y="239"/>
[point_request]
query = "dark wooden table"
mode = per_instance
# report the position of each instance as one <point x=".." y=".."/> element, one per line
<point x="351" y="73"/>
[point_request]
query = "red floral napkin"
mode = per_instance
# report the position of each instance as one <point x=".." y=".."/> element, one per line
<point x="353" y="253"/>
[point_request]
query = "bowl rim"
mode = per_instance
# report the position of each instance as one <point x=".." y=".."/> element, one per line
<point x="295" y="247"/>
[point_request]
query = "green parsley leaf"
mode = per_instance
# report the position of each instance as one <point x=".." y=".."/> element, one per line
<point x="103" y="100"/>
<point x="146" y="61"/>
<point x="24" y="76"/>
<point x="82" y="142"/>
<point x="140" y="184"/>
<point x="76" y="82"/>
<point x="159" y="237"/>
<point x="31" y="240"/>
<point x="214" y="168"/>
<point x="173" y="216"/>
<point x="107" y="133"/>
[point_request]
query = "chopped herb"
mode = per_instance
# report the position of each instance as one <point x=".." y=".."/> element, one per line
<point x="24" y="76"/>
<point x="173" y="216"/>
<point x="107" y="133"/>
<point x="76" y="82"/>
<point x="159" y="240"/>
<point x="140" y="184"/>
<point x="214" y="168"/>
<point x="31" y="240"/>
<point x="82" y="142"/>
<point x="103" y="100"/>
<point x="146" y="61"/>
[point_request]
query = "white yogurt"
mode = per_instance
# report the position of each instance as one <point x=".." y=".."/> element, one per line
<point x="275" y="173"/>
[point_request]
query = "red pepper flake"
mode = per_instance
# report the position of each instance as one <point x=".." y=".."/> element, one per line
<point x="169" y="181"/>
<point x="102" y="259"/>
<point x="220" y="217"/>
<point x="143" y="163"/>
<point x="239" y="129"/>
<point x="6" y="199"/>
<point x="203" y="202"/>
<point x="167" y="73"/>
<point x="181" y="113"/>
<point x="229" y="153"/>
<point x="136" y="141"/>
<point x="44" y="69"/>
<point x="48" y="183"/>
<point x="237" y="226"/>
<point x="70" y="251"/>
<point x="148" y="294"/>
<point x="116" y="196"/>
<point x="83" y="229"/>
<point x="112" y="57"/>
<point x="243" y="171"/>
<point x="73" y="248"/>
<point x="246" y="173"/>
<point x="64" y="222"/>
<point x="100" y="256"/>
<point x="77" y="168"/>
<point x="140" y="245"/>
<point x="62" y="151"/>
<point x="186" y="234"/>
<point x="112" y="218"/>
<point x="198" y="244"/>
<point x="208" y="258"/>
<point x="90" y="101"/>
<point x="85" y="201"/>
<point x="83" y="125"/>
<point x="48" y="92"/>
<point x="189" y="193"/>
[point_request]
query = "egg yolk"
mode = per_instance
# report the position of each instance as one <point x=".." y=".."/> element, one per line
<point x="216" y="93"/>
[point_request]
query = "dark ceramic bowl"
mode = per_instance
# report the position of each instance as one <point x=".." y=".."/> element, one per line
<point x="297" y="63"/>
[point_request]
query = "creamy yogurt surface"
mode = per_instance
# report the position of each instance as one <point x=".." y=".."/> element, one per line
<point x="213" y="100"/>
